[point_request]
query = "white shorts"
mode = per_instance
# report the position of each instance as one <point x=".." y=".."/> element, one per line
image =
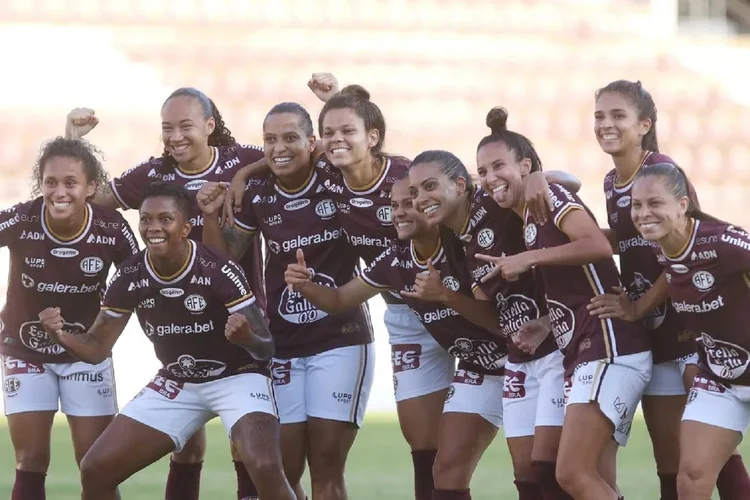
<point x="179" y="409"/>
<point x="666" y="380"/>
<point x="685" y="361"/>
<point x="420" y="365"/>
<point x="476" y="393"/>
<point x="78" y="389"/>
<point x="713" y="403"/>
<point x="617" y="387"/>
<point x="534" y="395"/>
<point x="334" y="385"/>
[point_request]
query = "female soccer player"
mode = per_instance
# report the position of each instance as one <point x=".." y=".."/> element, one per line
<point x="358" y="176"/>
<point x="61" y="249"/>
<point x="706" y="262"/>
<point x="533" y="399"/>
<point x="213" y="342"/>
<point x="198" y="147"/>
<point x="324" y="364"/>
<point x="473" y="407"/>
<point x="607" y="362"/>
<point x="625" y="127"/>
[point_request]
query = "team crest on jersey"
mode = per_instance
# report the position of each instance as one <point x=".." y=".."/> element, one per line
<point x="530" y="233"/>
<point x="325" y="209"/>
<point x="486" y="237"/>
<point x="195" y="303"/>
<point x="91" y="265"/>
<point x="384" y="215"/>
<point x="451" y="283"/>
<point x="703" y="280"/>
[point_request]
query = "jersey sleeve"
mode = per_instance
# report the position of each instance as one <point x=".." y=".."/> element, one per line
<point x="127" y="245"/>
<point x="128" y="188"/>
<point x="232" y="288"/>
<point x="245" y="219"/>
<point x="733" y="250"/>
<point x="563" y="202"/>
<point x="378" y="273"/>
<point x="10" y="220"/>
<point x="121" y="295"/>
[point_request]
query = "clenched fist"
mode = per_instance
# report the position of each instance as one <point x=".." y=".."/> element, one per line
<point x="323" y="85"/>
<point x="237" y="330"/>
<point x="80" y="122"/>
<point x="211" y="196"/>
<point x="52" y="322"/>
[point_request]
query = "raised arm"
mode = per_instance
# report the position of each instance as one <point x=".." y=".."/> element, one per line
<point x="92" y="347"/>
<point x="538" y="198"/>
<point x="331" y="300"/>
<point x="231" y="240"/>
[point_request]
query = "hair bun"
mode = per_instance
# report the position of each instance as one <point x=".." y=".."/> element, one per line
<point x="497" y="120"/>
<point x="356" y="91"/>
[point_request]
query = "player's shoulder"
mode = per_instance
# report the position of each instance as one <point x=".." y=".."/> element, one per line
<point x="25" y="208"/>
<point x="561" y="196"/>
<point x="609" y="181"/>
<point x="208" y="258"/>
<point x="106" y="217"/>
<point x="399" y="165"/>
<point x="654" y="158"/>
<point x="133" y="266"/>
<point x="723" y="233"/>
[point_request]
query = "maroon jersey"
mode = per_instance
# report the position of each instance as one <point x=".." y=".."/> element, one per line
<point x="640" y="269"/>
<point x="184" y="315"/>
<point x="304" y="218"/>
<point x="365" y="212"/>
<point x="492" y="230"/>
<point x="709" y="285"/>
<point x="49" y="271"/>
<point x="130" y="186"/>
<point x="569" y="289"/>
<point x="397" y="268"/>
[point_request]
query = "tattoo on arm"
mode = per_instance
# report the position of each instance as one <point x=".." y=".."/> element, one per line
<point x="263" y="348"/>
<point x="238" y="242"/>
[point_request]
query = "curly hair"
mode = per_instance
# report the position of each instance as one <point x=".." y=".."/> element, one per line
<point x="79" y="149"/>
<point x="221" y="136"/>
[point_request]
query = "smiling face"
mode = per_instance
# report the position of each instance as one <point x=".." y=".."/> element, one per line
<point x="501" y="174"/>
<point x="65" y="187"/>
<point x="345" y="139"/>
<point x="185" y="129"/>
<point x="437" y="195"/>
<point x="163" y="227"/>
<point x="409" y="221"/>
<point x="286" y="145"/>
<point x="655" y="210"/>
<point x="616" y="124"/>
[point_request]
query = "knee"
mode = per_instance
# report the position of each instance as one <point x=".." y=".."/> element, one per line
<point x="263" y="465"/>
<point x="327" y="460"/>
<point x="194" y="450"/>
<point x="570" y="478"/>
<point x="450" y="472"/>
<point x="94" y="475"/>
<point x="523" y="471"/>
<point x="693" y="482"/>
<point x="33" y="460"/>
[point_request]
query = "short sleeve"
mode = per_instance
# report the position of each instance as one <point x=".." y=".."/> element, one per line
<point x="232" y="288"/>
<point x="121" y="297"/>
<point x="9" y="226"/>
<point x="127" y="245"/>
<point x="128" y="188"/>
<point x="563" y="202"/>
<point x="733" y="250"/>
<point x="245" y="219"/>
<point x="378" y="273"/>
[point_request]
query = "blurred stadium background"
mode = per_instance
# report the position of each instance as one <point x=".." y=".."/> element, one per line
<point x="435" y="67"/>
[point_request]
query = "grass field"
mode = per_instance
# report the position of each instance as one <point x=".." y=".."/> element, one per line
<point x="379" y="468"/>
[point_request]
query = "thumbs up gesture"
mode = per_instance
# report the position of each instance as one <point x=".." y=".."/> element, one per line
<point x="428" y="285"/>
<point x="298" y="274"/>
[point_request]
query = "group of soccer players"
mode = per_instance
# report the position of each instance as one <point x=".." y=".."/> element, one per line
<point x="504" y="306"/>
